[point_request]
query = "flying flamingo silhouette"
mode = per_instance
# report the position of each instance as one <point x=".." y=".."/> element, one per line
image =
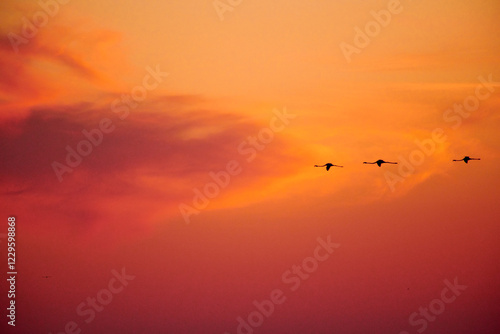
<point x="380" y="162"/>
<point x="466" y="159"/>
<point x="328" y="165"/>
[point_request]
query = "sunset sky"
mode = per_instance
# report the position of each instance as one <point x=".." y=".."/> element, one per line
<point x="175" y="141"/>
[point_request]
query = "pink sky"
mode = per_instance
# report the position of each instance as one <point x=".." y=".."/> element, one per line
<point x="171" y="95"/>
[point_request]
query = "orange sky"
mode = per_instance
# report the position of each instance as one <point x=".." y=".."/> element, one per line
<point x="175" y="92"/>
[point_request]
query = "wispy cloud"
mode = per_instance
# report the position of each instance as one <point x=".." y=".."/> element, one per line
<point x="152" y="155"/>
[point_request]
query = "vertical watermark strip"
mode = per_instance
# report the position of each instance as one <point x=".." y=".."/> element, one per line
<point x="11" y="270"/>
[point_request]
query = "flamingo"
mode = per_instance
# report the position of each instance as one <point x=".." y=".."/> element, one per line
<point x="380" y="162"/>
<point x="328" y="165"/>
<point x="466" y="159"/>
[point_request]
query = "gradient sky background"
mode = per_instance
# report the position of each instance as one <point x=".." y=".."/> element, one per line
<point x="120" y="207"/>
